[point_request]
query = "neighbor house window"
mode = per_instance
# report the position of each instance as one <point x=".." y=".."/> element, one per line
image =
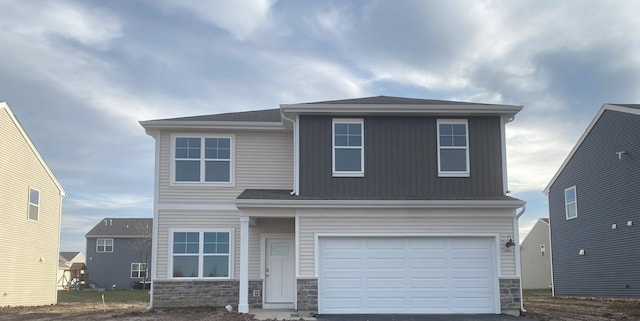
<point x="138" y="270"/>
<point x="348" y="147"/>
<point x="570" y="202"/>
<point x="104" y="245"/>
<point x="202" y="159"/>
<point x="34" y="204"/>
<point x="453" y="147"/>
<point x="201" y="254"/>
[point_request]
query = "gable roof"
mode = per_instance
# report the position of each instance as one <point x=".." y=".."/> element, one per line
<point x="5" y="106"/>
<point x="544" y="220"/>
<point x="633" y="109"/>
<point x="68" y="255"/>
<point x="385" y="105"/>
<point x="122" y="228"/>
<point x="266" y="115"/>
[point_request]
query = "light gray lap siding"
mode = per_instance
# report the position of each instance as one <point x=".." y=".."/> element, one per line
<point x="401" y="159"/>
<point x="607" y="193"/>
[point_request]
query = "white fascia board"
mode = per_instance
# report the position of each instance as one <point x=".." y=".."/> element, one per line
<point x="5" y="106"/>
<point x="242" y="203"/>
<point x="584" y="136"/>
<point x="412" y="109"/>
<point x="221" y="125"/>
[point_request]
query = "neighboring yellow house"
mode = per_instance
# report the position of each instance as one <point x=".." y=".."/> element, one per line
<point x="30" y="206"/>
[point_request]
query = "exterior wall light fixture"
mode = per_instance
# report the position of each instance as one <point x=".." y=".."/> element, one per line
<point x="510" y="243"/>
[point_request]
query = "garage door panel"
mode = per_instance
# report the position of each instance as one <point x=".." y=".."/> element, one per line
<point x="406" y="275"/>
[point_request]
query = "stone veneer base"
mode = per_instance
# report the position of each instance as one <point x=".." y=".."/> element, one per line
<point x="510" y="300"/>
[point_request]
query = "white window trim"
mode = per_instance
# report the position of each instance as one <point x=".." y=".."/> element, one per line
<point x="105" y="245"/>
<point x="200" y="253"/>
<point x="467" y="171"/>
<point x="230" y="183"/>
<point x="333" y="147"/>
<point x="574" y="203"/>
<point x="146" y="270"/>
<point x="31" y="203"/>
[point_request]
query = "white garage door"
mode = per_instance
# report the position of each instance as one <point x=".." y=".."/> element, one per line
<point x="406" y="275"/>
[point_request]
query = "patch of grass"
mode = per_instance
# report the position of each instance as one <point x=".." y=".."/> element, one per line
<point x="109" y="296"/>
<point x="536" y="292"/>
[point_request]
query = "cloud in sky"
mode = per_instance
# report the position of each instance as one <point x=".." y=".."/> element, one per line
<point x="80" y="75"/>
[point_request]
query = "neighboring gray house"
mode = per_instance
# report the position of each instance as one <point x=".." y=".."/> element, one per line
<point x="593" y="209"/>
<point x="535" y="257"/>
<point x="369" y="205"/>
<point x="119" y="252"/>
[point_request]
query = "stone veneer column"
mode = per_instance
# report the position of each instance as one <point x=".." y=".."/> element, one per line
<point x="510" y="300"/>
<point x="307" y="295"/>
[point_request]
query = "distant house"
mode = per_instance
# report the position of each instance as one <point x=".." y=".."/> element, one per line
<point x="30" y="206"/>
<point x="367" y="205"/>
<point x="535" y="257"/>
<point x="67" y="259"/>
<point x="119" y="252"/>
<point x="593" y="209"/>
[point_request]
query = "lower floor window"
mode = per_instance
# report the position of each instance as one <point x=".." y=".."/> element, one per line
<point x="138" y="270"/>
<point x="201" y="254"/>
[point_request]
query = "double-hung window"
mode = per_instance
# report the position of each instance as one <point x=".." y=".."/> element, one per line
<point x="453" y="148"/>
<point x="138" y="270"/>
<point x="201" y="254"/>
<point x="204" y="159"/>
<point x="104" y="245"/>
<point x="571" y="202"/>
<point x="348" y="147"/>
<point x="34" y="204"/>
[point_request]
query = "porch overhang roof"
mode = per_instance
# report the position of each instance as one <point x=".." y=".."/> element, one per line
<point x="252" y="198"/>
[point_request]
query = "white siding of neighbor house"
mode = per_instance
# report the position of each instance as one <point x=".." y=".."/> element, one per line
<point x="416" y="221"/>
<point x="536" y="268"/>
<point x="29" y="261"/>
<point x="262" y="160"/>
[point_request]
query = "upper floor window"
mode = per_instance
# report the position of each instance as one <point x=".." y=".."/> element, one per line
<point x="104" y="245"/>
<point x="34" y="204"/>
<point x="453" y="148"/>
<point x="348" y="147"/>
<point x="203" y="159"/>
<point x="201" y="254"/>
<point x="570" y="202"/>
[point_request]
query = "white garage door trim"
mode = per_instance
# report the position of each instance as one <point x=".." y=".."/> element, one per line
<point x="383" y="279"/>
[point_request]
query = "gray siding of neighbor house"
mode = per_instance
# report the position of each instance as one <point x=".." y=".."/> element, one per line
<point x="608" y="192"/>
<point x="401" y="159"/>
<point x="107" y="269"/>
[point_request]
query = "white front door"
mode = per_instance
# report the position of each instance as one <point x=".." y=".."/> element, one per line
<point x="279" y="271"/>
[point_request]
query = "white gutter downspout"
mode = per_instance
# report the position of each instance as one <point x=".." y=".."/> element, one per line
<point x="296" y="152"/>
<point x="517" y="240"/>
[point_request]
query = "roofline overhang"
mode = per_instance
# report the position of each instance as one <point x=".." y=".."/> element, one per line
<point x="593" y="122"/>
<point x="221" y="125"/>
<point x="118" y="236"/>
<point x="254" y="203"/>
<point x="462" y="109"/>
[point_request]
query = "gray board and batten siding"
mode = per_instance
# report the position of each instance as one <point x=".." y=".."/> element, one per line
<point x="401" y="159"/>
<point x="607" y="192"/>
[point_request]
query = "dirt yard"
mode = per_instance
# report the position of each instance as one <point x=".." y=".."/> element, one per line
<point x="539" y="308"/>
<point x="545" y="308"/>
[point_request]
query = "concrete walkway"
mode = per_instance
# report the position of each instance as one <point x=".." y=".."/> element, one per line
<point x="262" y="314"/>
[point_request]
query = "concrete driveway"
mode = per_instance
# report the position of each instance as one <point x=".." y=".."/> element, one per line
<point x="415" y="317"/>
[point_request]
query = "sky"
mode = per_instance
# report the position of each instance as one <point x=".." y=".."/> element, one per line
<point x="79" y="75"/>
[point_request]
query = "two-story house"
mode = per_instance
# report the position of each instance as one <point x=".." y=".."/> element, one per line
<point x="593" y="202"/>
<point x="119" y="252"/>
<point x="30" y="209"/>
<point x="370" y="205"/>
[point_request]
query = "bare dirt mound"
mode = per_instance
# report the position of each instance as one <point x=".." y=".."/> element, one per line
<point x="582" y="309"/>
